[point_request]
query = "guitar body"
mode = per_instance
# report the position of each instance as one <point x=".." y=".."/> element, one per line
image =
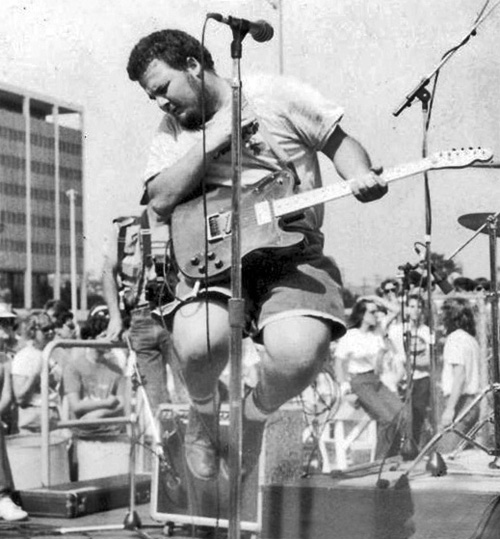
<point x="188" y="227"/>
<point x="263" y="209"/>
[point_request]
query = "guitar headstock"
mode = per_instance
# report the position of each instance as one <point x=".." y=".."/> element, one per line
<point x="460" y="158"/>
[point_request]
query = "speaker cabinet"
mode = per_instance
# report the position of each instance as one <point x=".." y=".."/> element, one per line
<point x="178" y="497"/>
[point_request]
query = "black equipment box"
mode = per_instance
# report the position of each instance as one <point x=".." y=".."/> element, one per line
<point x="70" y="500"/>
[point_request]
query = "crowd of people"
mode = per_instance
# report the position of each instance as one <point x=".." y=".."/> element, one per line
<point x="384" y="361"/>
<point x="83" y="382"/>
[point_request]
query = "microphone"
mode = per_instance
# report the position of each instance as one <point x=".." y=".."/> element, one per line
<point x="441" y="281"/>
<point x="439" y="278"/>
<point x="260" y="30"/>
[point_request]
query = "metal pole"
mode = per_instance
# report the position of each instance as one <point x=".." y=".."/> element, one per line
<point x="236" y="313"/>
<point x="44" y="387"/>
<point x="71" y="193"/>
<point x="83" y="283"/>
<point x="495" y="366"/>
<point x="28" y="276"/>
<point x="57" y="202"/>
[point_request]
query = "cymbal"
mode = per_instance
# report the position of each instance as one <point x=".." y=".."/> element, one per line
<point x="474" y="221"/>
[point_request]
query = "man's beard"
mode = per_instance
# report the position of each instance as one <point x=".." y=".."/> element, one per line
<point x="192" y="119"/>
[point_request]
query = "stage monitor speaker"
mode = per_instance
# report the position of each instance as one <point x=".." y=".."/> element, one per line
<point x="177" y="497"/>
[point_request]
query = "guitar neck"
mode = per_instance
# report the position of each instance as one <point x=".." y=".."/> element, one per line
<point x="300" y="201"/>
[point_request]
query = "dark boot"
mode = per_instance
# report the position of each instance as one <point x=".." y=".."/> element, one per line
<point x="200" y="445"/>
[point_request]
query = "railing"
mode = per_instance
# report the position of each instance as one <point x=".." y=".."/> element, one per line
<point x="45" y="430"/>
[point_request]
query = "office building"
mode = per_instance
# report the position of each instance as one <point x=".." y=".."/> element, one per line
<point x="41" y="193"/>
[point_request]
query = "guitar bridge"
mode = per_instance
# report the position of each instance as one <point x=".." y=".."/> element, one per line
<point x="219" y="226"/>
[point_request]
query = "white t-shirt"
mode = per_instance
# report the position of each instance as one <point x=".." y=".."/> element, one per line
<point x="298" y="118"/>
<point x="460" y="348"/>
<point x="419" y="346"/>
<point x="28" y="362"/>
<point x="360" y="350"/>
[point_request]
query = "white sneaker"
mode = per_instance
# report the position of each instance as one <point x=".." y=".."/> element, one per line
<point x="10" y="511"/>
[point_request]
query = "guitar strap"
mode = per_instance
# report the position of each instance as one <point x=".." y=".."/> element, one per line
<point x="285" y="163"/>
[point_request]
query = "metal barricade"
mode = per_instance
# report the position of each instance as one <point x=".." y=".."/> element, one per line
<point x="44" y="381"/>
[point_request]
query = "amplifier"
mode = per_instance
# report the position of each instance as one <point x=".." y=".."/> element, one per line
<point x="177" y="497"/>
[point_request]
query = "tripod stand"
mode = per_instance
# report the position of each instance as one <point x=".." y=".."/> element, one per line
<point x="132" y="521"/>
<point x="488" y="223"/>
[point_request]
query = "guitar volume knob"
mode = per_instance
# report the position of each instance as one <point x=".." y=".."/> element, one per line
<point x="218" y="264"/>
<point x="195" y="261"/>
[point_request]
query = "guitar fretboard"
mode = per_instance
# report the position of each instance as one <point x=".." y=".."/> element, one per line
<point x="339" y="190"/>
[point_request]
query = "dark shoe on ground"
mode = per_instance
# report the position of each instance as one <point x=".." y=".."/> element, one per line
<point x="200" y="445"/>
<point x="10" y="511"/>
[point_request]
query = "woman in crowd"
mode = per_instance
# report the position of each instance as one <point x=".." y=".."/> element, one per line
<point x="26" y="375"/>
<point x="460" y="377"/>
<point x="360" y="356"/>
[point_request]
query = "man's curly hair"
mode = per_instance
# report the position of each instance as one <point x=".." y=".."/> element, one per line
<point x="172" y="46"/>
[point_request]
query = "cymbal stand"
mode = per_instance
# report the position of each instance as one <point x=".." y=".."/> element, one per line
<point x="426" y="98"/>
<point x="494" y="387"/>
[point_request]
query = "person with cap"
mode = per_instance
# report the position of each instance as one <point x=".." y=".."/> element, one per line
<point x="26" y="374"/>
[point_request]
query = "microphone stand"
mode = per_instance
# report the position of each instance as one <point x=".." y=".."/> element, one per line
<point x="236" y="303"/>
<point x="424" y="95"/>
<point x="425" y="98"/>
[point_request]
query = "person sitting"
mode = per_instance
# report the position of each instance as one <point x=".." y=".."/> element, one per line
<point x="94" y="381"/>
<point x="26" y="375"/>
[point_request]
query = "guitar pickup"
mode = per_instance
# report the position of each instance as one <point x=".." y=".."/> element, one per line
<point x="219" y="226"/>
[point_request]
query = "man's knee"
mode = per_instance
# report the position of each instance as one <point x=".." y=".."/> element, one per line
<point x="194" y="339"/>
<point x="297" y="345"/>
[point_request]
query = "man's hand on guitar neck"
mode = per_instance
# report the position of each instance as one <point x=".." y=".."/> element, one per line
<point x="353" y="163"/>
<point x="369" y="187"/>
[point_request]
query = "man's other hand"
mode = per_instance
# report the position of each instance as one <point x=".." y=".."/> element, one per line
<point x="369" y="187"/>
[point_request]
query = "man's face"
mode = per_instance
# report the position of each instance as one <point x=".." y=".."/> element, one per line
<point x="414" y="310"/>
<point x="177" y="92"/>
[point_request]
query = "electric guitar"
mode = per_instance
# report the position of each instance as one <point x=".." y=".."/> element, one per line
<point x="263" y="208"/>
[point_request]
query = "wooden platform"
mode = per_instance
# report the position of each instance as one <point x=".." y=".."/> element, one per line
<point x="419" y="506"/>
<point x="454" y="506"/>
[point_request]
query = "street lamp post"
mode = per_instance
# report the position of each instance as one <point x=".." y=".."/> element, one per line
<point x="71" y="194"/>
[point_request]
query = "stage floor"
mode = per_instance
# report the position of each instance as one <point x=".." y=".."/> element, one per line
<point x="453" y="506"/>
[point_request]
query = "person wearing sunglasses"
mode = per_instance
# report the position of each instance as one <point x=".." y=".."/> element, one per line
<point x="360" y="358"/>
<point x="26" y="373"/>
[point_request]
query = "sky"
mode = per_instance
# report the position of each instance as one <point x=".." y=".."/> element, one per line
<point x="366" y="56"/>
